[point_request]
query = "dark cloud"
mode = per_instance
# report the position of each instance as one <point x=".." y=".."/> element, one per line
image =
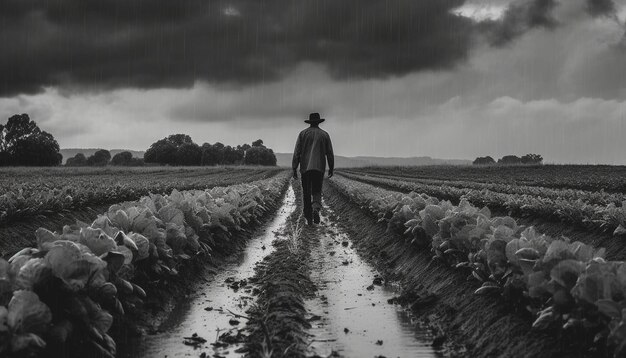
<point x="164" y="43"/>
<point x="520" y="17"/>
<point x="601" y="7"/>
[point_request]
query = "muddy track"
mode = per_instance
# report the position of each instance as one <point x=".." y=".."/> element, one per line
<point x="216" y="298"/>
<point x="319" y="298"/>
<point x="310" y="294"/>
<point x="168" y="298"/>
<point x="278" y="322"/>
<point x="470" y="325"/>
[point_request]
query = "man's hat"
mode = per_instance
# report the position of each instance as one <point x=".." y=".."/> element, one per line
<point x="314" y="118"/>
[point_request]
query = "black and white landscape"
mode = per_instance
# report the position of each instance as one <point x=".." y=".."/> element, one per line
<point x="312" y="178"/>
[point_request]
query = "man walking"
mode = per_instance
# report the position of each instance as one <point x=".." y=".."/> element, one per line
<point x="313" y="148"/>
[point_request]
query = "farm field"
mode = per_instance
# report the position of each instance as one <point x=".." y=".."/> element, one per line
<point x="591" y="216"/>
<point x="405" y="262"/>
<point x="29" y="191"/>
<point x="609" y="178"/>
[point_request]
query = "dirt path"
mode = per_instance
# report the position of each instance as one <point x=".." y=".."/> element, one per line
<point x="210" y="320"/>
<point x="291" y="292"/>
<point x="351" y="313"/>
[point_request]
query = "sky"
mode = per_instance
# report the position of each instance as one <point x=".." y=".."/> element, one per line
<point x="440" y="78"/>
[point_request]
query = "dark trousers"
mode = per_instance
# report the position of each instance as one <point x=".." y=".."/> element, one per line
<point x="311" y="188"/>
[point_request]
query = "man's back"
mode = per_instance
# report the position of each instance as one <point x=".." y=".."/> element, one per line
<point x="313" y="147"/>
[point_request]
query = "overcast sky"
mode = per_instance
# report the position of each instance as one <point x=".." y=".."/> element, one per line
<point x="442" y="78"/>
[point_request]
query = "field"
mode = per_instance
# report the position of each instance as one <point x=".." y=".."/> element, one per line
<point x="419" y="261"/>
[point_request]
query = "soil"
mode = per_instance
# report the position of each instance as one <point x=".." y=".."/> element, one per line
<point x="278" y="322"/>
<point x="353" y="312"/>
<point x="167" y="296"/>
<point x="468" y="325"/>
<point x="318" y="298"/>
<point x="211" y="319"/>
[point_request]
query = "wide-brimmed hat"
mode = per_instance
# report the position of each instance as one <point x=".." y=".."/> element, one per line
<point x="314" y="118"/>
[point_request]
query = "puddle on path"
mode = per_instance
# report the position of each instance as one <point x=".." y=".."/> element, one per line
<point x="206" y="313"/>
<point x="354" y="318"/>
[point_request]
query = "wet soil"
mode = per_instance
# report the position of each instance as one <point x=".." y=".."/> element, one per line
<point x="278" y="321"/>
<point x="469" y="325"/>
<point x="319" y="298"/>
<point x="353" y="313"/>
<point x="210" y="320"/>
<point x="292" y="291"/>
<point x="169" y="298"/>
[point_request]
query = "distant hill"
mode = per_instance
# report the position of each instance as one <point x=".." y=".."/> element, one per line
<point x="284" y="160"/>
<point x="71" y="152"/>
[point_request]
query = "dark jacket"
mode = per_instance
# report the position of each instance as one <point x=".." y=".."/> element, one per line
<point x="313" y="148"/>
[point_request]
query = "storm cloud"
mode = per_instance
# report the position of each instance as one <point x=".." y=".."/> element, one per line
<point x="601" y="7"/>
<point x="520" y="17"/>
<point x="162" y="43"/>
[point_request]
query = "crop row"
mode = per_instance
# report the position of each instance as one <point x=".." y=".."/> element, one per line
<point x="26" y="196"/>
<point x="69" y="288"/>
<point x="590" y="197"/>
<point x="608" y="217"/>
<point x="567" y="286"/>
<point x="582" y="177"/>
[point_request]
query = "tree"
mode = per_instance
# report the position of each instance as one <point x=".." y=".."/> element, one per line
<point x="162" y="152"/>
<point x="269" y="158"/>
<point x="509" y="159"/>
<point x="213" y="154"/>
<point x="260" y="156"/>
<point x="18" y="127"/>
<point x="122" y="159"/>
<point x="100" y="158"/>
<point x="179" y="139"/>
<point x="179" y="149"/>
<point x="79" y="160"/>
<point x="258" y="143"/>
<point x="484" y="161"/>
<point x="232" y="155"/>
<point x="532" y="159"/>
<point x="207" y="157"/>
<point x="188" y="154"/>
<point x="23" y="143"/>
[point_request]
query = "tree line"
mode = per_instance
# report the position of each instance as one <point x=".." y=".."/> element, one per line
<point x="510" y="160"/>
<point x="102" y="158"/>
<point x="23" y="143"/>
<point x="179" y="149"/>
